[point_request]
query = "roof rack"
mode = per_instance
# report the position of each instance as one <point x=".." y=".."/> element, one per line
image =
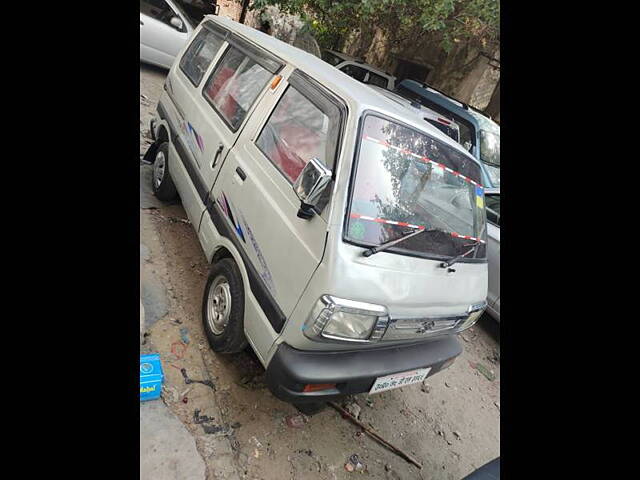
<point x="464" y="105"/>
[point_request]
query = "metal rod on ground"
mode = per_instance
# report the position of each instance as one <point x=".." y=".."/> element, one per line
<point x="375" y="436"/>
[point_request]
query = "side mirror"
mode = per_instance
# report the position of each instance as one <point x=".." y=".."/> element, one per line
<point x="309" y="186"/>
<point x="177" y="23"/>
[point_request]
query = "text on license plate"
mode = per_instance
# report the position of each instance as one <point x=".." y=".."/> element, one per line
<point x="401" y="379"/>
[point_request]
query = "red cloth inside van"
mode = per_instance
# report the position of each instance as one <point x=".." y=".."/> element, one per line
<point x="227" y="105"/>
<point x="295" y="144"/>
<point x="288" y="155"/>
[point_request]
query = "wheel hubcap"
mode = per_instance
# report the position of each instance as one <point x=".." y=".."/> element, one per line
<point x="158" y="169"/>
<point x="219" y="305"/>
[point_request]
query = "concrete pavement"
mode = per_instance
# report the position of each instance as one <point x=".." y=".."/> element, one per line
<point x="167" y="449"/>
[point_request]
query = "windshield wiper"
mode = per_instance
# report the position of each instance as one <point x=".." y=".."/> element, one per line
<point x="384" y="246"/>
<point x="453" y="260"/>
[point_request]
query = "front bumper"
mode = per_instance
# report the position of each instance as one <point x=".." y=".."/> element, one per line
<point x="352" y="371"/>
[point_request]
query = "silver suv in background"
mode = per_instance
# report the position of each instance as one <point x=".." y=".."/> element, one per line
<point x="356" y="68"/>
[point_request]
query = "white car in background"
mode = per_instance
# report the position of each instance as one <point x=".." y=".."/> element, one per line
<point x="359" y="70"/>
<point x="165" y="27"/>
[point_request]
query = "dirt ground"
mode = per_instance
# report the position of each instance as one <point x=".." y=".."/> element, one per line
<point x="451" y="424"/>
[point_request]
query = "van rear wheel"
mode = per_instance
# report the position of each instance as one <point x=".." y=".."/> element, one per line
<point x="223" y="308"/>
<point x="161" y="182"/>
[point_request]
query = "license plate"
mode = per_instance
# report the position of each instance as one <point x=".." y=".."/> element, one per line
<point x="399" y="380"/>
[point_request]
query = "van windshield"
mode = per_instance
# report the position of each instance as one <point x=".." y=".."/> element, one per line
<point x="406" y="180"/>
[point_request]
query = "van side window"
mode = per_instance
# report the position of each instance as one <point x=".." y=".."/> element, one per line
<point x="158" y="10"/>
<point x="493" y="208"/>
<point x="466" y="132"/>
<point x="234" y="86"/>
<point x="297" y="131"/>
<point x="378" y="80"/>
<point x="199" y="55"/>
<point x="354" y="71"/>
<point x="448" y="131"/>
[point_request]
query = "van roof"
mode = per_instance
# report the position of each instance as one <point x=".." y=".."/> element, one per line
<point x="357" y="96"/>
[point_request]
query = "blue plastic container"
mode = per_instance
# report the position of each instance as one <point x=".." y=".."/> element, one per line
<point x="151" y="377"/>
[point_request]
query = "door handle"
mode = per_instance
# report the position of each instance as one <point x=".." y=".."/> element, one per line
<point x="241" y="173"/>
<point x="215" y="157"/>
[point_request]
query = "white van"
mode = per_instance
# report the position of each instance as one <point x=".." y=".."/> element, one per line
<point x="347" y="238"/>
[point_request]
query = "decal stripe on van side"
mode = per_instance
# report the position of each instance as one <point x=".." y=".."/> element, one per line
<point x="185" y="156"/>
<point x="259" y="289"/>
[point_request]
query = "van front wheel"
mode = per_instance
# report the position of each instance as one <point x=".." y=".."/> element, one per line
<point x="223" y="308"/>
<point x="162" y="184"/>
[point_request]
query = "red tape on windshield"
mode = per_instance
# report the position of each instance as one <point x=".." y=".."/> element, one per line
<point x="404" y="224"/>
<point x="423" y="159"/>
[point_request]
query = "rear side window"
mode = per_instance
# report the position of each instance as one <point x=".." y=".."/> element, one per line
<point x="298" y="130"/>
<point x="467" y="138"/>
<point x="379" y="80"/>
<point x="234" y="86"/>
<point x="466" y="135"/>
<point x="330" y="58"/>
<point x="199" y="55"/>
<point x="493" y="208"/>
<point x="447" y="130"/>
<point x="354" y="71"/>
<point x="157" y="9"/>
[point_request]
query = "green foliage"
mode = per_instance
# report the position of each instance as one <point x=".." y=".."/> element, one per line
<point x="475" y="21"/>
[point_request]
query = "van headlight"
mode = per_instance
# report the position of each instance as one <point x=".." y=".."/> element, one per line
<point x="338" y="319"/>
<point x="475" y="312"/>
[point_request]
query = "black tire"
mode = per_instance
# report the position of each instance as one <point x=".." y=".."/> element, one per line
<point x="310" y="408"/>
<point x="161" y="182"/>
<point x="229" y="338"/>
